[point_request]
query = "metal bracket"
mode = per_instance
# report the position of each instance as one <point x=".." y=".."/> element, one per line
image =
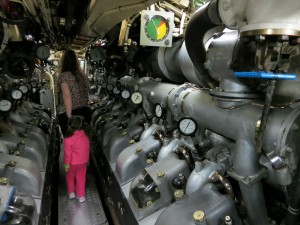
<point x="250" y="180"/>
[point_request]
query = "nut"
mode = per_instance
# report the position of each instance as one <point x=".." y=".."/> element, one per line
<point x="3" y="180"/>
<point x="160" y="174"/>
<point x="198" y="216"/>
<point x="139" y="149"/>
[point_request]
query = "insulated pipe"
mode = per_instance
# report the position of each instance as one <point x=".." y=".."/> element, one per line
<point x="204" y="19"/>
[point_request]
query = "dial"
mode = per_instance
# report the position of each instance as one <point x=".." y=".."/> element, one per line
<point x="104" y="84"/>
<point x="187" y="126"/>
<point x="157" y="28"/>
<point x="125" y="94"/>
<point x="109" y="87"/>
<point x="43" y="52"/>
<point x="24" y="88"/>
<point x="116" y="91"/>
<point x="33" y="84"/>
<point x="5" y="105"/>
<point x="97" y="54"/>
<point x="158" y="110"/>
<point x="16" y="94"/>
<point x="136" y="97"/>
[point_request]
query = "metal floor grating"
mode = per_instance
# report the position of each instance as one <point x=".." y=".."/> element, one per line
<point x="72" y="212"/>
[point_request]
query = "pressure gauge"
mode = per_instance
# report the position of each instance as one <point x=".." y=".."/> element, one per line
<point x="158" y="110"/>
<point x="136" y="97"/>
<point x="16" y="94"/>
<point x="104" y="84"/>
<point x="24" y="88"/>
<point x="97" y="54"/>
<point x="33" y="84"/>
<point x="187" y="126"/>
<point x="109" y="87"/>
<point x="5" y="105"/>
<point x="43" y="52"/>
<point x="156" y="28"/>
<point x="125" y="94"/>
<point x="116" y="91"/>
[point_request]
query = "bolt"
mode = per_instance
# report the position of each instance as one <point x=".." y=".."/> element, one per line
<point x="246" y="179"/>
<point x="149" y="203"/>
<point x="12" y="163"/>
<point x="131" y="141"/>
<point x="198" y="216"/>
<point x="139" y="149"/>
<point x="3" y="180"/>
<point x="17" y="153"/>
<point x="160" y="174"/>
<point x="225" y="5"/>
<point x="124" y="133"/>
<point x="179" y="194"/>
<point x="288" y="149"/>
<point x="167" y="42"/>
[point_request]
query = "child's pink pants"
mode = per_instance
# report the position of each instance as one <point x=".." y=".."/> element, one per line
<point x="75" y="178"/>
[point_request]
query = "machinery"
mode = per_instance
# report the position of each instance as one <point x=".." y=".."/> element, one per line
<point x="195" y="109"/>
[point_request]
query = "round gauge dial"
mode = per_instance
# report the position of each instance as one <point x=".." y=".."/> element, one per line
<point x="97" y="54"/>
<point x="33" y="84"/>
<point x="104" y="84"/>
<point x="136" y="98"/>
<point x="43" y="52"/>
<point x="125" y="94"/>
<point x="157" y="28"/>
<point x="5" y="105"/>
<point x="158" y="110"/>
<point x="187" y="126"/>
<point x="24" y="88"/>
<point x="116" y="90"/>
<point x="109" y="87"/>
<point x="16" y="94"/>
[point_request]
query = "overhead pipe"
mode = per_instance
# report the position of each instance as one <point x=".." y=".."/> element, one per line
<point x="203" y="20"/>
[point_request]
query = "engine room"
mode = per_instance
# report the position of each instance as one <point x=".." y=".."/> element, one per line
<point x="195" y="109"/>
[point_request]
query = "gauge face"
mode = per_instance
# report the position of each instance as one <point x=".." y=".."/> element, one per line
<point x="16" y="94"/>
<point x="116" y="91"/>
<point x="5" y="105"/>
<point x="43" y="52"/>
<point x="104" y="84"/>
<point x="24" y="89"/>
<point x="109" y="87"/>
<point x="33" y="84"/>
<point x="125" y="94"/>
<point x="157" y="28"/>
<point x="187" y="126"/>
<point x="97" y="54"/>
<point x="136" y="98"/>
<point x="158" y="110"/>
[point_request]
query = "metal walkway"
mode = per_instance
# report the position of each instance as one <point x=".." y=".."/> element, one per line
<point x="72" y="212"/>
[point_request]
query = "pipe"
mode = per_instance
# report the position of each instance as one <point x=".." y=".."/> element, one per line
<point x="204" y="19"/>
<point x="245" y="164"/>
<point x="228" y="188"/>
<point x="186" y="155"/>
<point x="294" y="204"/>
<point x="112" y="211"/>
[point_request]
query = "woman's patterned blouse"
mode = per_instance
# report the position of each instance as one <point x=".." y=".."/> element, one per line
<point x="79" y="92"/>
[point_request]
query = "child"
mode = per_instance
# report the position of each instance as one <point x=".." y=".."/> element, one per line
<point x="76" y="157"/>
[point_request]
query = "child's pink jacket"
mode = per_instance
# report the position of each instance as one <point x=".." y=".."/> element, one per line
<point x="76" y="148"/>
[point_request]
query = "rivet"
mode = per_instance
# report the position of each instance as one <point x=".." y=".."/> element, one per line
<point x="149" y="161"/>
<point x="131" y="141"/>
<point x="179" y="194"/>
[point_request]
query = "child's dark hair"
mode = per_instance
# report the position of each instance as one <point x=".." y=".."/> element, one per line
<point x="77" y="123"/>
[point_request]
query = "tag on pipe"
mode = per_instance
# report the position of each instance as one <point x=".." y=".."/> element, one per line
<point x="264" y="75"/>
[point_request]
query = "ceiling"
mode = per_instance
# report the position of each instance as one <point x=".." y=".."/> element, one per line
<point x="64" y="23"/>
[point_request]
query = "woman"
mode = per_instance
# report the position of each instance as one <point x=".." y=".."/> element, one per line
<point x="74" y="86"/>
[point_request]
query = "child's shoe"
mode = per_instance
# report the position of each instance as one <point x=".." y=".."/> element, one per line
<point x="81" y="199"/>
<point x="71" y="195"/>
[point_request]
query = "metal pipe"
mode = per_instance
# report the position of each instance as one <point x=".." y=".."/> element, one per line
<point x="204" y="19"/>
<point x="228" y="188"/>
<point x="186" y="155"/>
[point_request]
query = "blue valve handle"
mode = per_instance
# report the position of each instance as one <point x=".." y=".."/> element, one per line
<point x="264" y="75"/>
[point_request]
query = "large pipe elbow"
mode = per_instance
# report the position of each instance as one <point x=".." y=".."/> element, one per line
<point x="203" y="20"/>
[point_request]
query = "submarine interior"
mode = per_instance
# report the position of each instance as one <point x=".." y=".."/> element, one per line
<point x="195" y="111"/>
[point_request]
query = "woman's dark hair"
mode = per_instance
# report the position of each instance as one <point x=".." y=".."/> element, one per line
<point x="78" y="123"/>
<point x="70" y="63"/>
